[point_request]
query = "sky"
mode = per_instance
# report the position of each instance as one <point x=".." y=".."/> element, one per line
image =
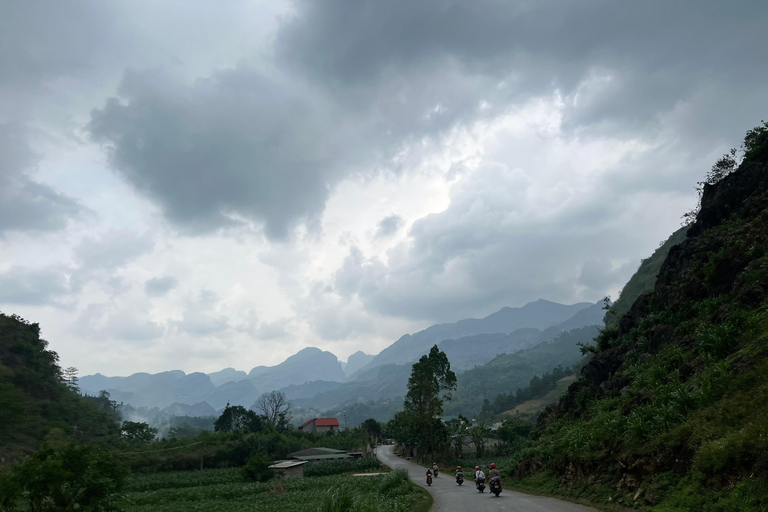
<point x="199" y="185"/>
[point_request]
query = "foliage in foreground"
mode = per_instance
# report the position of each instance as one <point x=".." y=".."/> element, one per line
<point x="70" y="477"/>
<point x="224" y="490"/>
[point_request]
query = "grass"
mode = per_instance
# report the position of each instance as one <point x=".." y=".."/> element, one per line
<point x="421" y="500"/>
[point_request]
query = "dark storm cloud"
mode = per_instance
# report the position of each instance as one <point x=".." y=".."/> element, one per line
<point x="656" y="52"/>
<point x="356" y="84"/>
<point x="388" y="226"/>
<point x="20" y="285"/>
<point x="160" y="286"/>
<point x="25" y="204"/>
<point x="236" y="145"/>
<point x="45" y="40"/>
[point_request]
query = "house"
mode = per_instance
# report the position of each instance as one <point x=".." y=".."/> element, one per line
<point x="320" y="425"/>
<point x="289" y="468"/>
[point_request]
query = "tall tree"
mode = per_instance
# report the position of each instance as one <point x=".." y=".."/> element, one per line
<point x="430" y="383"/>
<point x="236" y="418"/>
<point x="136" y="432"/>
<point x="69" y="377"/>
<point x="276" y="409"/>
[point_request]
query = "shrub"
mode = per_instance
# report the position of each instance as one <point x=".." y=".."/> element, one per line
<point x="256" y="469"/>
<point x="69" y="478"/>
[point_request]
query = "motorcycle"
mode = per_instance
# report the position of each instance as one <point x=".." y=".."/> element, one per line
<point x="481" y="484"/>
<point x="460" y="478"/>
<point x="429" y="480"/>
<point x="495" y="484"/>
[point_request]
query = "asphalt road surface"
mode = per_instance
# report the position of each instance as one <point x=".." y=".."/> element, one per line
<point x="449" y="496"/>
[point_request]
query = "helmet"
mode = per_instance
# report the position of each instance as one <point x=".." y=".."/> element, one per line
<point x="478" y="468"/>
<point x="493" y="465"/>
<point x="458" y="467"/>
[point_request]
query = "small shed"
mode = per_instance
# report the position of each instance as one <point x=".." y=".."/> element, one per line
<point x="289" y="468"/>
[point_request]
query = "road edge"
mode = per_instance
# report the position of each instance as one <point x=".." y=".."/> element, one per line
<point x="423" y="500"/>
<point x="579" y="501"/>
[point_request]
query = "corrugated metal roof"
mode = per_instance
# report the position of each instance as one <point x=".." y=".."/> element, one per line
<point x="315" y="451"/>
<point x="323" y="457"/>
<point x="287" y="464"/>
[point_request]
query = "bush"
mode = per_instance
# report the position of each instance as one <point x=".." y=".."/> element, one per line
<point x="256" y="469"/>
<point x="69" y="478"/>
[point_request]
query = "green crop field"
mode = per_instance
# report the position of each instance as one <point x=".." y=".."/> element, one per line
<point x="224" y="490"/>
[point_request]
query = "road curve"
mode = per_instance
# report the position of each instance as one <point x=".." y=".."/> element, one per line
<point x="451" y="497"/>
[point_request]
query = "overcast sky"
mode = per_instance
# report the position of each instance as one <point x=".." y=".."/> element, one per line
<point x="196" y="185"/>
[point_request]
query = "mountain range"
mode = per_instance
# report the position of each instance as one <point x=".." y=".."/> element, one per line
<point x="315" y="380"/>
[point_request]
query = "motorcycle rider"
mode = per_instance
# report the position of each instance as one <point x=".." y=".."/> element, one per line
<point x="429" y="475"/>
<point x="493" y="473"/>
<point x="479" y="475"/>
<point x="434" y="469"/>
<point x="459" y="473"/>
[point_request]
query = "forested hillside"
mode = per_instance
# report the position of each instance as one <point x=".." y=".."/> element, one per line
<point x="509" y="372"/>
<point x="671" y="410"/>
<point x="35" y="395"/>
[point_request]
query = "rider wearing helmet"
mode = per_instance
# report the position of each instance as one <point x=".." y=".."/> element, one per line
<point x="479" y="476"/>
<point x="494" y="472"/>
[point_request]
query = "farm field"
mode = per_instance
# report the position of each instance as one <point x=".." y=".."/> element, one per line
<point x="224" y="490"/>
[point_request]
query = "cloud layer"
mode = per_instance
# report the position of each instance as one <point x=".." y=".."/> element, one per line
<point x="211" y="186"/>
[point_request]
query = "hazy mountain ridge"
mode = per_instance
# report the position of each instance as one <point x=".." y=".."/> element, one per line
<point x="315" y="379"/>
<point x="356" y="361"/>
<point x="165" y="388"/>
<point x="539" y="314"/>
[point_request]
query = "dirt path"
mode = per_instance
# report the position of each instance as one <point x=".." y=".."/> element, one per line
<point x="451" y="497"/>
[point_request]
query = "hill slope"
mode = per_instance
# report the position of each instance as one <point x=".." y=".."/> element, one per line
<point x="35" y="399"/>
<point x="644" y="279"/>
<point x="671" y="410"/>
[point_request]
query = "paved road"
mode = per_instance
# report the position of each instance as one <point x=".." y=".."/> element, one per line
<point x="449" y="496"/>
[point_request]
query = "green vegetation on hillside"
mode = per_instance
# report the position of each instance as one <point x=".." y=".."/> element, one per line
<point x="644" y="279"/>
<point x="538" y="387"/>
<point x="670" y="412"/>
<point x="36" y="396"/>
<point x="508" y="373"/>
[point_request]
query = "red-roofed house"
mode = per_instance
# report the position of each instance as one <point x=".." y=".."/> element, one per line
<point x="320" y="425"/>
